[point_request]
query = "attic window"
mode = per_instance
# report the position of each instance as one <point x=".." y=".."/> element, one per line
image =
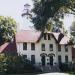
<point x="45" y="36"/>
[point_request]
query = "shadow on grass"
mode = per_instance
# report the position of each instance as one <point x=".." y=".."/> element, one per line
<point x="72" y="73"/>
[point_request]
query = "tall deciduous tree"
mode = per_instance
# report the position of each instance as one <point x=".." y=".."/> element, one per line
<point x="50" y="9"/>
<point x="7" y="29"/>
<point x="72" y="31"/>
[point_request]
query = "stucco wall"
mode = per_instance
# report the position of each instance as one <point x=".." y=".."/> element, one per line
<point x="38" y="50"/>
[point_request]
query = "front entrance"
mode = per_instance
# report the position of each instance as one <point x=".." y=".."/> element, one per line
<point x="51" y="60"/>
<point x="43" y="60"/>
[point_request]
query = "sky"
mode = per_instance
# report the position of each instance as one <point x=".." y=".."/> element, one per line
<point x="14" y="8"/>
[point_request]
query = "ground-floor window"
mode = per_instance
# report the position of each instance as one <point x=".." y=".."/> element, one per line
<point x="59" y="59"/>
<point x="66" y="59"/>
<point x="33" y="59"/>
<point x="24" y="57"/>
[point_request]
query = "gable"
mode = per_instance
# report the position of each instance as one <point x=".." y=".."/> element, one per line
<point x="36" y="36"/>
<point x="47" y="36"/>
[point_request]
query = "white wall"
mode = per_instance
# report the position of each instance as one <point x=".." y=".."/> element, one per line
<point x="38" y="50"/>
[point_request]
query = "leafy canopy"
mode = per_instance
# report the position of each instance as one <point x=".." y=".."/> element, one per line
<point x="72" y="31"/>
<point x="7" y="29"/>
<point x="44" y="10"/>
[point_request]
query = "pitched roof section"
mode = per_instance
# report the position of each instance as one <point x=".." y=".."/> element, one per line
<point x="8" y="46"/>
<point x="27" y="36"/>
<point x="64" y="40"/>
<point x="34" y="36"/>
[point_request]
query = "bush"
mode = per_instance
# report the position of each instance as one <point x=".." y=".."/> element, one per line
<point x="16" y="64"/>
<point x="67" y="67"/>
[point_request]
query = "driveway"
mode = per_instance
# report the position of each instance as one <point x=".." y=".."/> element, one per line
<point x="54" y="74"/>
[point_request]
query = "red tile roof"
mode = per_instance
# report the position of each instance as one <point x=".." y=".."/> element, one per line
<point x="8" y="47"/>
<point x="27" y="36"/>
<point x="33" y="36"/>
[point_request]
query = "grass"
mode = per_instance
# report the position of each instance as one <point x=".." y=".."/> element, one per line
<point x="72" y="73"/>
<point x="23" y="74"/>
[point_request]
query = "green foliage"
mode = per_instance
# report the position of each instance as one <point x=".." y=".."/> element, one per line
<point x="50" y="9"/>
<point x="15" y="65"/>
<point x="7" y="29"/>
<point x="67" y="67"/>
<point x="72" y="31"/>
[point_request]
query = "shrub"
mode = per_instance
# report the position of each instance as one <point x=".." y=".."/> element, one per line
<point x="67" y="67"/>
<point x="16" y="64"/>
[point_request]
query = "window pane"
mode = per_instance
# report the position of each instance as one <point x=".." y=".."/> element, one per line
<point x="32" y="46"/>
<point x="48" y="36"/>
<point x="24" y="46"/>
<point x="33" y="59"/>
<point x="59" y="47"/>
<point x="24" y="56"/>
<point x="45" y="36"/>
<point x="66" y="59"/>
<point x="59" y="59"/>
<point x="66" y="48"/>
<point x="51" y="47"/>
<point x="43" y="47"/>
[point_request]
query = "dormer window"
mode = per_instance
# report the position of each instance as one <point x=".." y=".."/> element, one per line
<point x="45" y="36"/>
<point x="48" y="36"/>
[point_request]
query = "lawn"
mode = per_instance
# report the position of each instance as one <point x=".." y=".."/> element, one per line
<point x="22" y="74"/>
<point x="72" y="73"/>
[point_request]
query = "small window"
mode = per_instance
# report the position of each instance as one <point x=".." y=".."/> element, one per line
<point x="66" y="59"/>
<point x="66" y="48"/>
<point x="32" y="46"/>
<point x="51" y="47"/>
<point x="59" y="59"/>
<point x="43" y="47"/>
<point x="59" y="48"/>
<point x="48" y="36"/>
<point x="24" y="56"/>
<point x="24" y="46"/>
<point x="45" y="36"/>
<point x="33" y="59"/>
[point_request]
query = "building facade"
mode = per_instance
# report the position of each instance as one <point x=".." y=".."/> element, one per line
<point x="46" y="48"/>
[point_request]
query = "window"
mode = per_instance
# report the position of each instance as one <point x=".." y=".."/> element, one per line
<point x="59" y="59"/>
<point x="33" y="59"/>
<point x="59" y="47"/>
<point x="24" y="46"/>
<point x="43" y="47"/>
<point x="66" y="59"/>
<point x="48" y="36"/>
<point x="24" y="56"/>
<point x="66" y="48"/>
<point x="32" y="46"/>
<point x="51" y="47"/>
<point x="45" y="36"/>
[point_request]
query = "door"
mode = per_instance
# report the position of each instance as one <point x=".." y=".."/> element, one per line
<point x="43" y="60"/>
<point x="51" y="60"/>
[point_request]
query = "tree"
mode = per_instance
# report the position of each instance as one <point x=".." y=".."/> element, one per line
<point x="72" y="31"/>
<point x="50" y="9"/>
<point x="7" y="29"/>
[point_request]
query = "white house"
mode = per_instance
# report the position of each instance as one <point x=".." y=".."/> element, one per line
<point x="46" y="48"/>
